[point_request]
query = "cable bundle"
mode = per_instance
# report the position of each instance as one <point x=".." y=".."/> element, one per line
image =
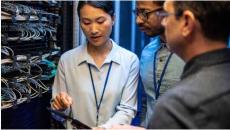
<point x="21" y="77"/>
<point x="19" y="12"/>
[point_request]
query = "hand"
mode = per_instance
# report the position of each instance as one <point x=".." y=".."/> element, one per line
<point x="125" y="127"/>
<point x="98" y="128"/>
<point x="62" y="101"/>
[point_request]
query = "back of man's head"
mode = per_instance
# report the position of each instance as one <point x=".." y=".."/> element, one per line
<point x="214" y="17"/>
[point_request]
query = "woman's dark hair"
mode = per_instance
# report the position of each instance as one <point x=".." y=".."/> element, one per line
<point x="107" y="6"/>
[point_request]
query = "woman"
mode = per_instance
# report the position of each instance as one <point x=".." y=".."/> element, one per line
<point x="97" y="81"/>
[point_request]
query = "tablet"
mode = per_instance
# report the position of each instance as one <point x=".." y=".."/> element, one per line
<point x="76" y="123"/>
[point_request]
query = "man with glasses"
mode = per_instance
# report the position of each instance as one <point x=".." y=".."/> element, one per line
<point x="160" y="69"/>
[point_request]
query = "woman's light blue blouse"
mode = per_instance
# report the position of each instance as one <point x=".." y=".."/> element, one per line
<point x="119" y="104"/>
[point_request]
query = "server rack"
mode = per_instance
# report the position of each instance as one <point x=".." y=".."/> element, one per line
<point x="33" y="36"/>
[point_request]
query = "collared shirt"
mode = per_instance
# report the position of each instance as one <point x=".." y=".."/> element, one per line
<point x="201" y="98"/>
<point x="171" y="77"/>
<point x="119" y="104"/>
<point x="173" y="70"/>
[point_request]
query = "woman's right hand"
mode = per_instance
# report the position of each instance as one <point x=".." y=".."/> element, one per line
<point x="62" y="101"/>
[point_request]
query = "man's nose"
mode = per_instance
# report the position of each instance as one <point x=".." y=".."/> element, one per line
<point x="139" y="20"/>
<point x="163" y="21"/>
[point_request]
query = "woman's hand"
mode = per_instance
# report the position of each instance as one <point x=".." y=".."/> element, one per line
<point x="125" y="127"/>
<point x="98" y="128"/>
<point x="62" y="101"/>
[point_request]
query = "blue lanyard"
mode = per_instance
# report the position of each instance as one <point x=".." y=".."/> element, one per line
<point x="94" y="90"/>
<point x="157" y="85"/>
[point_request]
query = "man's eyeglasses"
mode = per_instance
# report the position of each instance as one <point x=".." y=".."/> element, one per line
<point x="145" y="15"/>
<point x="166" y="14"/>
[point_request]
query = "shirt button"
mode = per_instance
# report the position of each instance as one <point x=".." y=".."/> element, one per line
<point x="161" y="59"/>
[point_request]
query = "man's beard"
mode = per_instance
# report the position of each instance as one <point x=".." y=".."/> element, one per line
<point x="160" y="31"/>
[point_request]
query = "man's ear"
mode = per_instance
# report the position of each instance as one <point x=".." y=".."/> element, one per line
<point x="189" y="22"/>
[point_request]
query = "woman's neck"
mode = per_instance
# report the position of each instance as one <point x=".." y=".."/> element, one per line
<point x="99" y="50"/>
<point x="99" y="53"/>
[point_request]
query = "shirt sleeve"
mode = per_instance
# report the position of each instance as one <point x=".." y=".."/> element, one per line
<point x="127" y="108"/>
<point x="59" y="85"/>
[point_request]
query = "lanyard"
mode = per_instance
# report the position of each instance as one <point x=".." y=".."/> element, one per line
<point x="157" y="85"/>
<point x="94" y="90"/>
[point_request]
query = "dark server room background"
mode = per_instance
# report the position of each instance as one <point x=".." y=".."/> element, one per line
<point x="34" y="34"/>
